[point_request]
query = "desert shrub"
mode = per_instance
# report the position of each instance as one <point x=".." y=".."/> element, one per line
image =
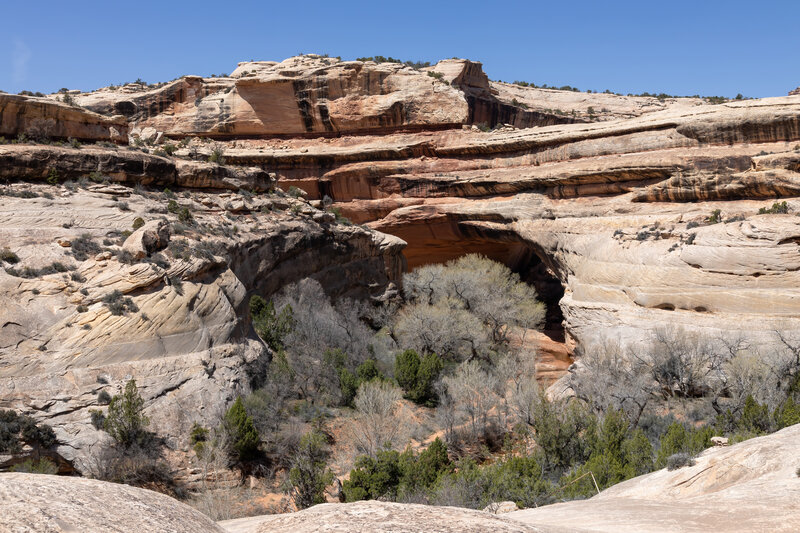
<point x="125" y="421"/>
<point x="52" y="177"/>
<point x="18" y="429"/>
<point x="680" y="439"/>
<point x="242" y="432"/>
<point x="715" y="217"/>
<point x="42" y="466"/>
<point x="8" y="256"/>
<point x="136" y="465"/>
<point x="679" y="460"/>
<point x="777" y="208"/>
<point x="217" y="156"/>
<point x="119" y="304"/>
<point x="517" y="479"/>
<point x="103" y="397"/>
<point x="84" y="246"/>
<point x="374" y="478"/>
<point x="138" y="222"/>
<point x="392" y="475"/>
<point x="309" y="474"/>
<point x="198" y="437"/>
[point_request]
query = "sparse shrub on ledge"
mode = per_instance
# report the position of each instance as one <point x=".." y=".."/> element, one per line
<point x="715" y="217"/>
<point x="778" y="208"/>
<point x="217" y="156"/>
<point x="8" y="256"/>
<point x="118" y="304"/>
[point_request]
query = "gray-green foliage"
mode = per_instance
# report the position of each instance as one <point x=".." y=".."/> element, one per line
<point x="465" y="308"/>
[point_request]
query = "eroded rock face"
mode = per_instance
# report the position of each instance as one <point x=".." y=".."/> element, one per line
<point x="40" y="503"/>
<point x="34" y="163"/>
<point x="617" y="211"/>
<point x="30" y="115"/>
<point x="751" y="486"/>
<point x="188" y="342"/>
<point x="380" y="517"/>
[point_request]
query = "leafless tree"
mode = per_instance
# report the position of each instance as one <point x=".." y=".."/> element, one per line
<point x="473" y="393"/>
<point x="318" y="327"/>
<point x="376" y="425"/>
<point x="41" y="129"/>
<point x="608" y="376"/>
<point x="683" y="364"/>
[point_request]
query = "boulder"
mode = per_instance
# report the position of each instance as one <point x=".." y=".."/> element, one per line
<point x="150" y="238"/>
<point x="56" y="504"/>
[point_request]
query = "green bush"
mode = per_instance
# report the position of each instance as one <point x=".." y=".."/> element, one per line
<point x="119" y="304"/>
<point x="271" y="326"/>
<point x="391" y="474"/>
<point x="715" y="217"/>
<point x="138" y="222"/>
<point x="18" y="429"/>
<point x="417" y="376"/>
<point x="125" y="421"/>
<point x="680" y="439"/>
<point x="243" y="433"/>
<point x="778" y="208"/>
<point x="309" y="474"/>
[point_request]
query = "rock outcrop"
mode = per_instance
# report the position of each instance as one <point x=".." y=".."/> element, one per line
<point x="35" y="162"/>
<point x="37" y="503"/>
<point x="316" y="96"/>
<point x="34" y="117"/>
<point x="625" y="213"/>
<point x="612" y="221"/>
<point x="67" y="332"/>
<point x="381" y="517"/>
<point x="751" y="486"/>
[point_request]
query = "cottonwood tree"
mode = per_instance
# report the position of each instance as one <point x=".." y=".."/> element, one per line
<point x="466" y="308"/>
<point x="683" y="364"/>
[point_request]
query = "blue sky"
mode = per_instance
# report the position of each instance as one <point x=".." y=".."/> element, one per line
<point x="705" y="47"/>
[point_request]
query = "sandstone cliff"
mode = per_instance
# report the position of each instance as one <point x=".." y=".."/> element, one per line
<point x="317" y="96"/>
<point x="25" y="114"/>
<point x="184" y="335"/>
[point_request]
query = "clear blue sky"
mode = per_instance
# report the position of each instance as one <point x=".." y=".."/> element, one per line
<point x="706" y="47"/>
